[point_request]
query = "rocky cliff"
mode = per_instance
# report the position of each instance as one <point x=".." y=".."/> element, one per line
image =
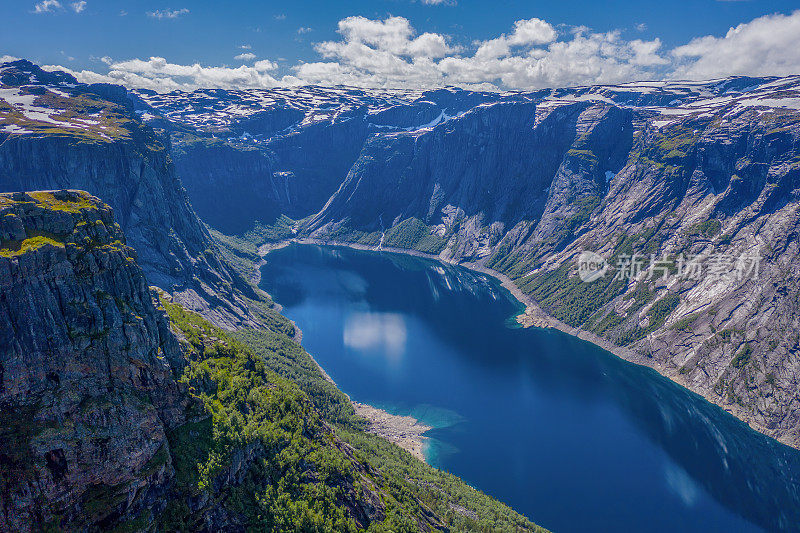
<point x="88" y="368"/>
<point x="56" y="133"/>
<point x="289" y="148"/>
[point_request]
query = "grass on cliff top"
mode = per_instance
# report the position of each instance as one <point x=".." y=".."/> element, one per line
<point x="248" y="383"/>
<point x="72" y="202"/>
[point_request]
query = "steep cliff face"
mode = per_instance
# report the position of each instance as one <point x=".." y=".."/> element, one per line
<point x="290" y="147"/>
<point x="228" y="184"/>
<point x="720" y="189"/>
<point x="715" y="181"/>
<point x="489" y="169"/>
<point x="56" y="133"/>
<point x="87" y="368"/>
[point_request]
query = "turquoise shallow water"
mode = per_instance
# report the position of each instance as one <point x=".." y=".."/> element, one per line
<point x="564" y="432"/>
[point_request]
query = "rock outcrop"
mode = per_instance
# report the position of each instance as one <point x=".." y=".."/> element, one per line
<point x="114" y="414"/>
<point x="88" y="368"/>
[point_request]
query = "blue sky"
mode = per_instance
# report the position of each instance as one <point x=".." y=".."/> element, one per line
<point x="500" y="44"/>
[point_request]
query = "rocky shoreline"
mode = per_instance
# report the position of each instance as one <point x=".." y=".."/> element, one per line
<point x="405" y="431"/>
<point x="534" y="316"/>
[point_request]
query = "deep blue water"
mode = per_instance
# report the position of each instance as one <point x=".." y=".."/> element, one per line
<point x="566" y="433"/>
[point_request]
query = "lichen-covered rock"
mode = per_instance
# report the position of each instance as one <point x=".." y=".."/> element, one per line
<point x="87" y="368"/>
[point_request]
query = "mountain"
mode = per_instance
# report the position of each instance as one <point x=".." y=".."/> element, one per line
<point x="260" y="154"/>
<point x="697" y="179"/>
<point x="86" y="369"/>
<point x="56" y="133"/>
<point x="123" y="410"/>
<point x="695" y="175"/>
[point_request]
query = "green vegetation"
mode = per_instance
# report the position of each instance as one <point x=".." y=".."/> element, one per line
<point x="708" y="228"/>
<point x="13" y="248"/>
<point x="71" y="202"/>
<point x="98" y="499"/>
<point x="586" y="156"/>
<point x="279" y="230"/>
<point x="684" y="323"/>
<point x="610" y="321"/>
<point x="660" y="310"/>
<point x="86" y="118"/>
<point x="672" y="144"/>
<point x="567" y="297"/>
<point x="585" y="208"/>
<point x="414" y="234"/>
<point x="239" y="252"/>
<point x="295" y="478"/>
<point x="742" y="356"/>
<point x="291" y="361"/>
<point x="310" y="463"/>
<point x="242" y="254"/>
<point x="462" y="507"/>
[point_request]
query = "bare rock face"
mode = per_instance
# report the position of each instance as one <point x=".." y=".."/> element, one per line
<point x="87" y="367"/>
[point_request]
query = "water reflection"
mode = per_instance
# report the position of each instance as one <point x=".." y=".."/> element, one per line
<point x="382" y="332"/>
<point x="544" y="421"/>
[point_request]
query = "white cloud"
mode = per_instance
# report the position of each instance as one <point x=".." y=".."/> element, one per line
<point x="158" y="74"/>
<point x="387" y="53"/>
<point x="167" y="13"/>
<point x="7" y="58"/>
<point x="264" y="65"/>
<point x="245" y="47"/>
<point x="47" y="6"/>
<point x="78" y="7"/>
<point x="385" y="333"/>
<point x="768" y="45"/>
<point x="301" y="30"/>
<point x="533" y="54"/>
<point x="532" y="31"/>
